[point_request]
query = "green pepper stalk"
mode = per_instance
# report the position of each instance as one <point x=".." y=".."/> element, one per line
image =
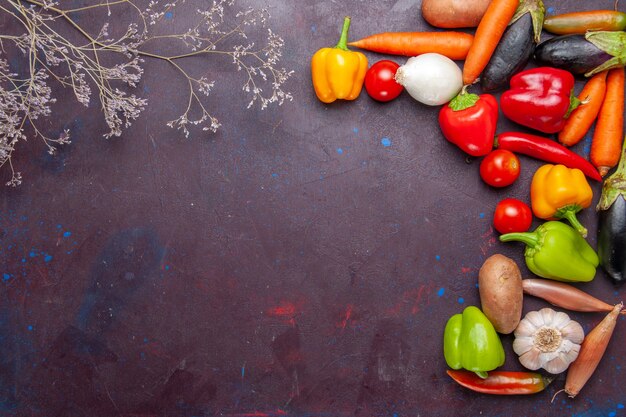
<point x="557" y="251"/>
<point x="471" y="342"/>
<point x="612" y="222"/>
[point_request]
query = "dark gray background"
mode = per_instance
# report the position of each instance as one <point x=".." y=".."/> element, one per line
<point x="302" y="261"/>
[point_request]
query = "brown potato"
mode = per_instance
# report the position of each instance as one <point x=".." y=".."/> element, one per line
<point x="501" y="292"/>
<point x="454" y="13"/>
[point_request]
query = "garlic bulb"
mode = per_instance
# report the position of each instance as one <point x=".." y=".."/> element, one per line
<point x="547" y="339"/>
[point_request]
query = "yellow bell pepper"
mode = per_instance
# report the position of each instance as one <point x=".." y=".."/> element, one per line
<point x="338" y="73"/>
<point x="559" y="192"/>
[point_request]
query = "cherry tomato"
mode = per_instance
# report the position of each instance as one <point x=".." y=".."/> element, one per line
<point x="380" y="83"/>
<point x="500" y="168"/>
<point x="511" y="216"/>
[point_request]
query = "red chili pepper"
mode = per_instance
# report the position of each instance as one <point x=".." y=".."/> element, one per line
<point x="469" y="121"/>
<point x="540" y="98"/>
<point x="502" y="382"/>
<point x="545" y="150"/>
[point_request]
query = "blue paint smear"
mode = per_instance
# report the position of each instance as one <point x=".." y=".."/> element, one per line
<point x="275" y="175"/>
<point x="30" y="327"/>
<point x="67" y="234"/>
<point x="386" y="142"/>
<point x="6" y="277"/>
<point x="441" y="292"/>
<point x="550" y="10"/>
<point x="313" y="28"/>
<point x="438" y="257"/>
<point x="355" y="130"/>
<point x="461" y="300"/>
<point x="620" y="406"/>
<point x="32" y="254"/>
<point x="481" y="215"/>
<point x="47" y="258"/>
<point x="339" y="151"/>
<point x="111" y="292"/>
<point x="169" y="15"/>
<point x="587" y="142"/>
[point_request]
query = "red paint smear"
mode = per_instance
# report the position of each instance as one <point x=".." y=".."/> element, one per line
<point x="466" y="270"/>
<point x="416" y="305"/>
<point x="413" y="299"/>
<point x="286" y="308"/>
<point x="286" y="311"/>
<point x="346" y="318"/>
<point x="260" y="414"/>
<point x="156" y="349"/>
<point x="489" y="233"/>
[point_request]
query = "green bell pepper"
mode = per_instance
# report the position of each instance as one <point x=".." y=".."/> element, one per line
<point x="471" y="342"/>
<point x="557" y="251"/>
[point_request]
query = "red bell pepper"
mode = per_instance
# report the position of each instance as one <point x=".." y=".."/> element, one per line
<point x="540" y="98"/>
<point x="469" y="121"/>
<point x="502" y="382"/>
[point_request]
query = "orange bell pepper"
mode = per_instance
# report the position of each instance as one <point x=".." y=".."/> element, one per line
<point x="338" y="73"/>
<point x="559" y="192"/>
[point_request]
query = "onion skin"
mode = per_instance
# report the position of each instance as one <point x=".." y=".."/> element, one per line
<point x="591" y="352"/>
<point x="431" y="79"/>
<point x="564" y="295"/>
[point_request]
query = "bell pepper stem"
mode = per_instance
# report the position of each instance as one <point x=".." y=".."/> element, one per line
<point x="574" y="102"/>
<point x="463" y="100"/>
<point x="570" y="216"/>
<point x="343" y="40"/>
<point x="530" y="239"/>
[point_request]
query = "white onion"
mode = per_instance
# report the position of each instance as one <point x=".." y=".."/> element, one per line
<point x="432" y="79"/>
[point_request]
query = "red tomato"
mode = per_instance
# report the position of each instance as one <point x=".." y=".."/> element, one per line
<point x="511" y="216"/>
<point x="500" y="168"/>
<point x="380" y="83"/>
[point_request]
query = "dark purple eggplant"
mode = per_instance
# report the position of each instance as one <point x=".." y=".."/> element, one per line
<point x="585" y="54"/>
<point x="612" y="223"/>
<point x="515" y="47"/>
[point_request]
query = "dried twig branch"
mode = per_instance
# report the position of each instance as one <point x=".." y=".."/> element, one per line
<point x="24" y="98"/>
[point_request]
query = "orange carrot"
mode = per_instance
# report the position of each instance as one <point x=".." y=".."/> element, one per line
<point x="581" y="119"/>
<point x="606" y="144"/>
<point x="454" y="45"/>
<point x="488" y="34"/>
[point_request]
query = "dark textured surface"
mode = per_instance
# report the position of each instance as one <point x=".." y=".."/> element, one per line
<point x="302" y="261"/>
